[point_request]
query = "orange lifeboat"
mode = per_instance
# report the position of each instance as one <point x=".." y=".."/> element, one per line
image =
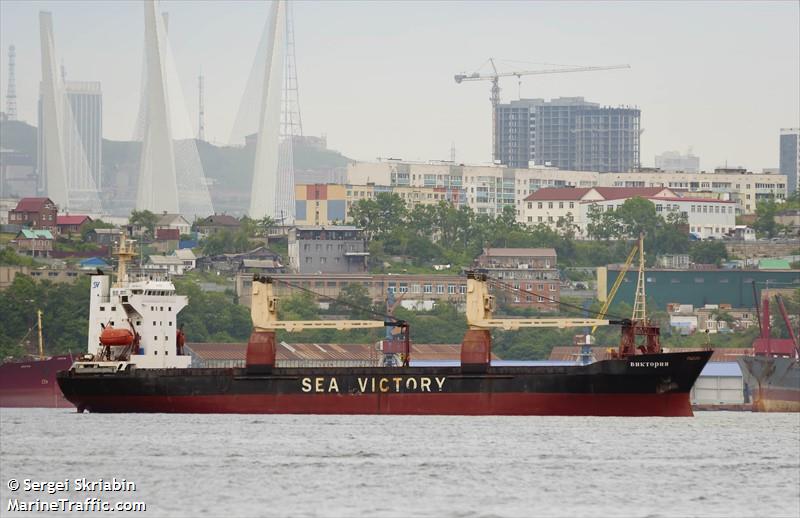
<point x="116" y="337"/>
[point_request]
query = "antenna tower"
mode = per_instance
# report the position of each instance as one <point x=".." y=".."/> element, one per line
<point x="11" y="93"/>
<point x="201" y="116"/>
<point x="291" y="123"/>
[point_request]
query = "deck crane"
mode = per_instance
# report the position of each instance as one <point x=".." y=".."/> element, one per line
<point x="495" y="76"/>
<point x="476" y="348"/>
<point x="617" y="283"/>
<point x="264" y="312"/>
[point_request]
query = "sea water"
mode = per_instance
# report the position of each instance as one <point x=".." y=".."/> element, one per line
<point x="726" y="464"/>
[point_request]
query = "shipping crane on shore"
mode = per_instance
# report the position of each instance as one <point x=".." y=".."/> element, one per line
<point x="495" y="76"/>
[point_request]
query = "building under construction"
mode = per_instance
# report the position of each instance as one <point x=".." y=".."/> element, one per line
<point x="567" y="133"/>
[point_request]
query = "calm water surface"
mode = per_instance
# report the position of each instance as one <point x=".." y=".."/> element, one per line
<point x="716" y="464"/>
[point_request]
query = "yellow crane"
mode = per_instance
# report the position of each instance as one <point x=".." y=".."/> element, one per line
<point x="481" y="305"/>
<point x="495" y="76"/>
<point x="619" y="279"/>
<point x="264" y="312"/>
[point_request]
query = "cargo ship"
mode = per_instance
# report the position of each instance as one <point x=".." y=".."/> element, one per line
<point x="772" y="373"/>
<point x="31" y="382"/>
<point x="155" y="375"/>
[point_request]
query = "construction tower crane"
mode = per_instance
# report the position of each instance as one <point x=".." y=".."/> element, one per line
<point x="495" y="76"/>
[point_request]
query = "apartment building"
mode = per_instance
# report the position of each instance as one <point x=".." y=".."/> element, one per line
<point x="334" y="249"/>
<point x="487" y="189"/>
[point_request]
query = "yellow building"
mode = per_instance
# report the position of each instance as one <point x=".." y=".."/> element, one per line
<point x="328" y="204"/>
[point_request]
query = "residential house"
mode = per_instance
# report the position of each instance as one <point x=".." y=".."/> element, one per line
<point x="233" y="262"/>
<point x="173" y="221"/>
<point x="36" y="242"/>
<point x="103" y="236"/>
<point x="187" y="256"/>
<point x="170" y="264"/>
<point x="69" y="224"/>
<point x="217" y="223"/>
<point x="36" y="213"/>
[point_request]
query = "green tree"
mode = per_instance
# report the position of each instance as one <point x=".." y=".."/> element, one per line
<point x="144" y="219"/>
<point x="226" y="242"/>
<point x="765" y="224"/>
<point x="355" y="302"/>
<point x="637" y="216"/>
<point x="708" y="252"/>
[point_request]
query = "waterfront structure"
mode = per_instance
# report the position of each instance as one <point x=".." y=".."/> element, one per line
<point x="335" y="249"/>
<point x="790" y="157"/>
<point x="531" y="273"/>
<point x="568" y="133"/>
<point x="675" y="162"/>
<point x="489" y="188"/>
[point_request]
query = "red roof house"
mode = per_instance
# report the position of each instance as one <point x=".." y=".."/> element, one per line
<point x="71" y="224"/>
<point x="36" y="213"/>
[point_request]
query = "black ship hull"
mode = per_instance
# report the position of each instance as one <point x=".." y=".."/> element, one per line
<point x="645" y="385"/>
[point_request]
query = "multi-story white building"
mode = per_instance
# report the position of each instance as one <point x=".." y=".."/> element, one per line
<point x="739" y="185"/>
<point x="707" y="217"/>
<point x="489" y="188"/>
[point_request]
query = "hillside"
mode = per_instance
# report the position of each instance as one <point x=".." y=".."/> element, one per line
<point x="229" y="169"/>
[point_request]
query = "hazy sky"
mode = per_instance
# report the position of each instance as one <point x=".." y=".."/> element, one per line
<point x="377" y="77"/>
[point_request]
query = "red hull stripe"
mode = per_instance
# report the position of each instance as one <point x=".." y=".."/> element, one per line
<point x="45" y="397"/>
<point x="668" y="405"/>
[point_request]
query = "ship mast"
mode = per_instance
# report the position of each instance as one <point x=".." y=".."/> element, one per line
<point x="41" y="342"/>
<point x="125" y="253"/>
<point x="639" y="307"/>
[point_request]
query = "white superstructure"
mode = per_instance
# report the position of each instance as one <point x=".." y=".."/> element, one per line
<point x="145" y="304"/>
